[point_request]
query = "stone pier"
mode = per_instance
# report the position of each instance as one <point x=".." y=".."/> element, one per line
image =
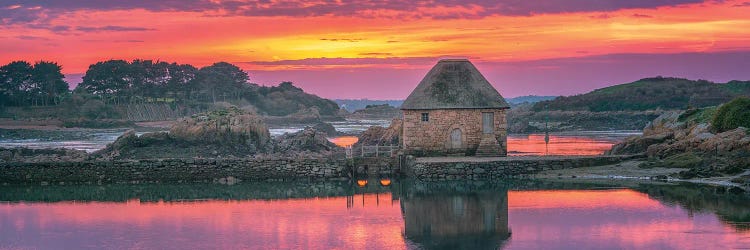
<point x="479" y="168"/>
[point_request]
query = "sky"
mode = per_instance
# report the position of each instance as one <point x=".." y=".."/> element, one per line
<point x="380" y="49"/>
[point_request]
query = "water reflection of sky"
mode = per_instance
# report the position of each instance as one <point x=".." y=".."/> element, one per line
<point x="550" y="219"/>
<point x="570" y="143"/>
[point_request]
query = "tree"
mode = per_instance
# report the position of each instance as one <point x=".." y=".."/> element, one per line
<point x="181" y="79"/>
<point x="108" y="79"/>
<point x="48" y="79"/>
<point x="222" y="79"/>
<point x="15" y="79"/>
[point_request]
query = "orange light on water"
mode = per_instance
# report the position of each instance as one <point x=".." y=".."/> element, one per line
<point x="559" y="145"/>
<point x="344" y="141"/>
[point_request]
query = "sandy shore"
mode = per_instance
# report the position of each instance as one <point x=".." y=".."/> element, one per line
<point x="629" y="171"/>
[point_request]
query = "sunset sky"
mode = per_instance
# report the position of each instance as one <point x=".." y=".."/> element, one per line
<point x="381" y="49"/>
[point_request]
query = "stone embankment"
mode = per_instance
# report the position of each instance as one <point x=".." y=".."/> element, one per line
<point x="172" y="171"/>
<point x="471" y="168"/>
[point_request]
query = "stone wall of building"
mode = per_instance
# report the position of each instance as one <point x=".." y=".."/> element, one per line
<point x="433" y="137"/>
<point x="498" y="168"/>
<point x="172" y="171"/>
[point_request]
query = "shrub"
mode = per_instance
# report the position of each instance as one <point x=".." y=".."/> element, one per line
<point x="733" y="114"/>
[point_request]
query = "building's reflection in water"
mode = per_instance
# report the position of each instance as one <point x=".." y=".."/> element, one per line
<point x="440" y="216"/>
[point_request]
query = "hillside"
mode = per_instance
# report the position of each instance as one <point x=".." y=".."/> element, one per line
<point x="650" y="94"/>
<point x="528" y="99"/>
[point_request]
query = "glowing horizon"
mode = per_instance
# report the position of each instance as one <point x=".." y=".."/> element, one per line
<point x="381" y="50"/>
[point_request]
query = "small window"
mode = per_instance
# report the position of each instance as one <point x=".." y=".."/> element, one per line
<point x="425" y="117"/>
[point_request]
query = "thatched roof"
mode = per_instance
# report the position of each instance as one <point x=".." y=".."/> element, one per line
<point x="454" y="84"/>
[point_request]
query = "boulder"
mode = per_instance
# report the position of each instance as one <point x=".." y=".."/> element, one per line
<point x="307" y="140"/>
<point x="377" y="135"/>
<point x="665" y="123"/>
<point x="225" y="126"/>
<point x="326" y="128"/>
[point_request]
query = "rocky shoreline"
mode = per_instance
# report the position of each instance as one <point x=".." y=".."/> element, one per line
<point x="686" y="140"/>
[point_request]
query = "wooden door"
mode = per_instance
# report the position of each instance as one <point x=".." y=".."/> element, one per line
<point x="456" y="138"/>
<point x="488" y="123"/>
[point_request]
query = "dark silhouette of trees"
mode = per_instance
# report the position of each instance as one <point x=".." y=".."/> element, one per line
<point x="118" y="82"/>
<point x="24" y="84"/>
<point x="108" y="80"/>
<point x="50" y="86"/>
<point x="222" y="80"/>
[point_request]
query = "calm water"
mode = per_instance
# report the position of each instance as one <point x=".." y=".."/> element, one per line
<point x="404" y="215"/>
<point x="571" y="143"/>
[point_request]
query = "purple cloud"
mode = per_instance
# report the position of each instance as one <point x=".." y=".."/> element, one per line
<point x="38" y="38"/>
<point x="40" y="9"/>
<point x="110" y="28"/>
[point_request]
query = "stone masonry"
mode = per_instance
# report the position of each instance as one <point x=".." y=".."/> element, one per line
<point x="433" y="137"/>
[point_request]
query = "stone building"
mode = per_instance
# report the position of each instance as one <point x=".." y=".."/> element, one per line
<point x="455" y="111"/>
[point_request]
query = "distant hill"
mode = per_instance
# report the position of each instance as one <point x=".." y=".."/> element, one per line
<point x="650" y="94"/>
<point x="352" y="105"/>
<point x="383" y="111"/>
<point x="528" y="99"/>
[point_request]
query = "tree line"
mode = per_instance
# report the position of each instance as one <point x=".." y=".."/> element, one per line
<point x="118" y="82"/>
<point x="24" y="84"/>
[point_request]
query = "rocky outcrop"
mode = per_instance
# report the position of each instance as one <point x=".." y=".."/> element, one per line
<point x="682" y="139"/>
<point x="377" y="135"/>
<point x="326" y="128"/>
<point x="231" y="125"/>
<point x="383" y="111"/>
<point x="41" y="155"/>
<point x="305" y="142"/>
<point x="224" y="133"/>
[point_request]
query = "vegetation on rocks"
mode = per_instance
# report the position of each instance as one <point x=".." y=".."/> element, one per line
<point x="229" y="132"/>
<point x="685" y="139"/>
<point x="732" y="115"/>
<point x="232" y="126"/>
<point x="223" y="133"/>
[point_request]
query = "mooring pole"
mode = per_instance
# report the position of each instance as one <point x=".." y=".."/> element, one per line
<point x="546" y="129"/>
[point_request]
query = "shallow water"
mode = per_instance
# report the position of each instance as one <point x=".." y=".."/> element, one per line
<point x="569" y="143"/>
<point x="516" y="214"/>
